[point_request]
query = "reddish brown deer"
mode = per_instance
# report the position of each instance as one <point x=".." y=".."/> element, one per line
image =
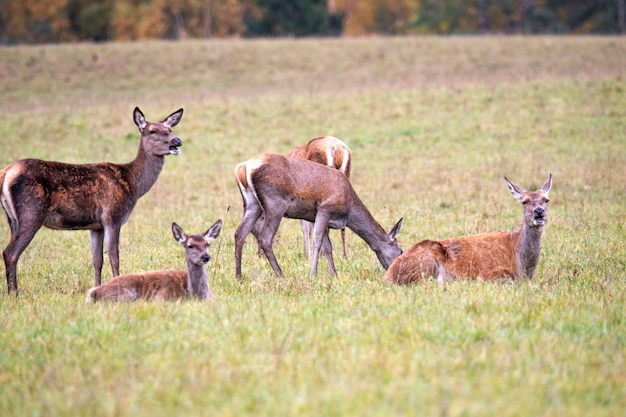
<point x="280" y="186"/>
<point x="166" y="284"/>
<point x="486" y="256"/>
<point x="333" y="152"/>
<point x="96" y="197"/>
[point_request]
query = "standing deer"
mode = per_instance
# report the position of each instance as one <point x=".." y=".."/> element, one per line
<point x="166" y="284"/>
<point x="280" y="186"/>
<point x="326" y="150"/>
<point x="485" y="256"/>
<point x="96" y="197"/>
<point x="333" y="152"/>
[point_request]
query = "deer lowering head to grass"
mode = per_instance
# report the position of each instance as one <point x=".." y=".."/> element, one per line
<point x="166" y="284"/>
<point x="280" y="186"/>
<point x="486" y="256"/>
<point x="330" y="151"/>
<point x="96" y="197"/>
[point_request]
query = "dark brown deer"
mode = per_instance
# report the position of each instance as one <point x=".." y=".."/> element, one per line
<point x="96" y="197"/>
<point x="280" y="186"/>
<point x="486" y="256"/>
<point x="333" y="152"/>
<point x="166" y="284"/>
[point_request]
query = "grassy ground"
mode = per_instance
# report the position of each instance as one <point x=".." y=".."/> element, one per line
<point x="434" y="125"/>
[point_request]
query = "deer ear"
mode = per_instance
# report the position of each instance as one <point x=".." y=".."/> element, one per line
<point x="139" y="119"/>
<point x="517" y="192"/>
<point x="547" y="185"/>
<point x="178" y="233"/>
<point x="393" y="234"/>
<point x="173" y="119"/>
<point x="213" y="232"/>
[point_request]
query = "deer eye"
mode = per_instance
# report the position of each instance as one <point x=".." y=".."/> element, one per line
<point x="152" y="131"/>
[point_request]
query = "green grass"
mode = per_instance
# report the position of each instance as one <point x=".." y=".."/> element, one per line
<point x="434" y="125"/>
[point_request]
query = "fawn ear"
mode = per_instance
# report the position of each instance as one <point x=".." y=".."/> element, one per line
<point x="178" y="233"/>
<point x="517" y="192"/>
<point x="213" y="232"/>
<point x="173" y="119"/>
<point x="547" y="185"/>
<point x="393" y="234"/>
<point x="139" y="119"/>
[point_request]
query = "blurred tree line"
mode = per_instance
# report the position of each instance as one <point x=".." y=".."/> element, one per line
<point x="35" y="21"/>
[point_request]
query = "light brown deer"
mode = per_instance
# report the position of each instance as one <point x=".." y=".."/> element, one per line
<point x="96" y="197"/>
<point x="333" y="152"/>
<point x="486" y="256"/>
<point x="326" y="150"/>
<point x="166" y="284"/>
<point x="280" y="186"/>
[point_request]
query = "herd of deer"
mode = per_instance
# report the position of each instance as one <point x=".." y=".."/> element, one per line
<point x="311" y="183"/>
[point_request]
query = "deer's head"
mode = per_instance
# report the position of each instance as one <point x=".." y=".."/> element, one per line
<point x="534" y="203"/>
<point x="197" y="246"/>
<point x="156" y="137"/>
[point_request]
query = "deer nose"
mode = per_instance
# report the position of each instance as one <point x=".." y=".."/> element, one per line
<point x="205" y="259"/>
<point x="177" y="142"/>
<point x="539" y="212"/>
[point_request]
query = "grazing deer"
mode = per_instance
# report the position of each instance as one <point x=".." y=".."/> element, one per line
<point x="326" y="150"/>
<point x="96" y="197"/>
<point x="485" y="256"/>
<point x="280" y="186"/>
<point x="166" y="284"/>
<point x="330" y="151"/>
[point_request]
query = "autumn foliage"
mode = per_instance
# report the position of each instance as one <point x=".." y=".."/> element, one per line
<point x="35" y="21"/>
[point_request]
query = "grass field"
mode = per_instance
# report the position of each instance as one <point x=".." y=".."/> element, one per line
<point x="434" y="124"/>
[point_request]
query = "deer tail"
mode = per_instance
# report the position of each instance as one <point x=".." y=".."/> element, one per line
<point x="92" y="295"/>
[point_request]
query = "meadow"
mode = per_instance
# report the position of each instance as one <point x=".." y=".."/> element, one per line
<point x="434" y="124"/>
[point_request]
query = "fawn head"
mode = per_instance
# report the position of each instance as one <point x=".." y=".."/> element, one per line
<point x="535" y="203"/>
<point x="197" y="246"/>
<point x="157" y="137"/>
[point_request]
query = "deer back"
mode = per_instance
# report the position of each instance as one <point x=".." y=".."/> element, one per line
<point x="326" y="150"/>
<point x="294" y="186"/>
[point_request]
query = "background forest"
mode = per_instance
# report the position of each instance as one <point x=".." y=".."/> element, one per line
<point x="36" y="21"/>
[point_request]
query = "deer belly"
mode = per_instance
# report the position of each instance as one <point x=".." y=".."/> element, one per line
<point x="301" y="209"/>
<point x="75" y="221"/>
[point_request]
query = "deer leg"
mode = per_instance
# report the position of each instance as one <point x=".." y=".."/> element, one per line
<point x="266" y="240"/>
<point x="112" y="234"/>
<point x="307" y="228"/>
<point x="343" y="242"/>
<point x="250" y="217"/>
<point x="256" y="232"/>
<point x="11" y="254"/>
<point x="97" y="239"/>
<point x="320" y="234"/>
<point x="327" y="248"/>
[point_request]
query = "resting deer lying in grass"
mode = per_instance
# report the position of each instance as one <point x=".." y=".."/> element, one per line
<point x="329" y="151"/>
<point x="166" y="284"/>
<point x="484" y="256"/>
<point x="280" y="186"/>
<point x="96" y="197"/>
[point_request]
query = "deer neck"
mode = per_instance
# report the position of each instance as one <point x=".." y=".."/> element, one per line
<point x="145" y="170"/>
<point x="528" y="249"/>
<point x="197" y="283"/>
<point x="361" y="222"/>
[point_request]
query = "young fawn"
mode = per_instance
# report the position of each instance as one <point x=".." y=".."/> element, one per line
<point x="280" y="186"/>
<point x="166" y="284"/>
<point x="485" y="256"/>
<point x="96" y="197"/>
